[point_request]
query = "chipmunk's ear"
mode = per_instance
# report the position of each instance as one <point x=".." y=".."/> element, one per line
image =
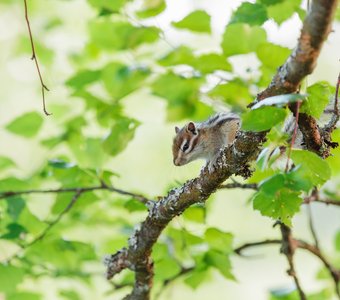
<point x="192" y="127"/>
<point x="176" y="129"/>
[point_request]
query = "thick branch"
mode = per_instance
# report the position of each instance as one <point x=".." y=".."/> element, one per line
<point x="302" y="62"/>
<point x="235" y="158"/>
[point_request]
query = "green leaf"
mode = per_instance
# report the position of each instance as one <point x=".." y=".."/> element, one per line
<point x="263" y="118"/>
<point x="134" y="205"/>
<point x="6" y="162"/>
<point x="74" y="254"/>
<point x="15" y="205"/>
<point x="219" y="240"/>
<point x="337" y="241"/>
<point x="313" y="167"/>
<point x="60" y="164"/>
<point x="280" y="100"/>
<point x="14" y="231"/>
<point x="282" y="205"/>
<point x="272" y="55"/>
<point x="270" y="2"/>
<point x="69" y="294"/>
<point x="283" y="10"/>
<point x="113" y="6"/>
<point x="319" y="95"/>
<point x="122" y="35"/>
<point x="23" y="296"/>
<point x="166" y="268"/>
<point x="182" y="100"/>
<point x="151" y="8"/>
<point x="198" y="21"/>
<point x="122" y="132"/>
<point x="27" y="125"/>
<point x="209" y="63"/>
<point x="195" y="214"/>
<point x="196" y="278"/>
<point x="235" y="93"/>
<point x="179" y="56"/>
<point x="250" y="13"/>
<point x="83" y="78"/>
<point x="219" y="261"/>
<point x="242" y="39"/>
<point x="10" y="277"/>
<point x="120" y="80"/>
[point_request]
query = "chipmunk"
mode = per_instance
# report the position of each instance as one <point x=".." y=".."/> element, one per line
<point x="204" y="140"/>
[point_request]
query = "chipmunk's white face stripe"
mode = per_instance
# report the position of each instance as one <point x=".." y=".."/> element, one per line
<point x="183" y="148"/>
<point x="192" y="143"/>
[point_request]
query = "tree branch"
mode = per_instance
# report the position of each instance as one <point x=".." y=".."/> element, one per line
<point x="140" y="198"/>
<point x="302" y="61"/>
<point x="34" y="57"/>
<point x="234" y="159"/>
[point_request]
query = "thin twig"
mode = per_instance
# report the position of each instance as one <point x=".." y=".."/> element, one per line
<point x="335" y="273"/>
<point x="239" y="250"/>
<point x="140" y="198"/>
<point x="335" y="118"/>
<point x="311" y="225"/>
<point x="34" y="57"/>
<point x="42" y="235"/>
<point x="298" y="104"/>
<point x="288" y="249"/>
<point x="252" y="186"/>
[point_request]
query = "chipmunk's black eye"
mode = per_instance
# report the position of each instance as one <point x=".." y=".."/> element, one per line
<point x="185" y="147"/>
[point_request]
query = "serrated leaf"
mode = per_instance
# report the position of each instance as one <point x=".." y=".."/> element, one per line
<point x="120" y="80"/>
<point x="219" y="240"/>
<point x="151" y="8"/>
<point x="313" y="167"/>
<point x="122" y="132"/>
<point x="27" y="125"/>
<point x="10" y="277"/>
<point x="197" y="21"/>
<point x="250" y="13"/>
<point x="319" y="95"/>
<point x="83" y="78"/>
<point x="280" y="100"/>
<point x="263" y="118"/>
<point x="282" y="205"/>
<point x="242" y="39"/>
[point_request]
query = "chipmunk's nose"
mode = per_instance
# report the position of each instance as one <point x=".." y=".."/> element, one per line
<point x="177" y="161"/>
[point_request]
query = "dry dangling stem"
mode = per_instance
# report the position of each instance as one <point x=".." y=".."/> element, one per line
<point x="34" y="57"/>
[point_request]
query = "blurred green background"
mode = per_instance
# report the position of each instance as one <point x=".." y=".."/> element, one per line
<point x="72" y="36"/>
